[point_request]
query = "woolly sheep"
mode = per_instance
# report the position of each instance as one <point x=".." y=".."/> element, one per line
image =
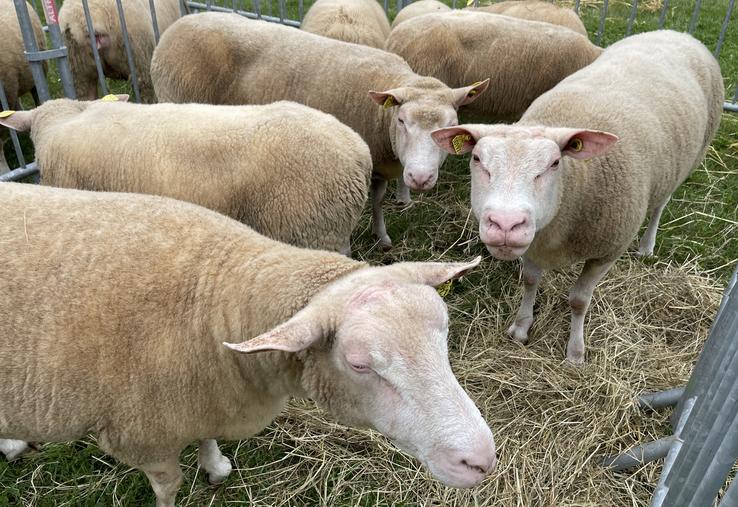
<point x="419" y="8"/>
<point x="109" y="41"/>
<point x="292" y="173"/>
<point x="534" y="10"/>
<point x="523" y="58"/>
<point x="358" y="21"/>
<point x="119" y="311"/>
<point x="228" y="59"/>
<point x="15" y="73"/>
<point x="536" y="192"/>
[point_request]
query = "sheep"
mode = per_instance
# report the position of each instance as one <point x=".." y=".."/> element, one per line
<point x="153" y="323"/>
<point x="109" y="41"/>
<point x="523" y="58"/>
<point x="358" y="21"/>
<point x="556" y="189"/>
<point x="535" y="10"/>
<point x="228" y="59"/>
<point x="15" y="73"/>
<point x="291" y="172"/>
<point x="419" y="8"/>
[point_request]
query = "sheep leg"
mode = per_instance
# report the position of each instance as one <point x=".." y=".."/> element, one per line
<point x="13" y="448"/>
<point x="532" y="274"/>
<point x="403" y="192"/>
<point x="4" y="168"/>
<point x="217" y="466"/>
<point x="379" y="229"/>
<point x="165" y="478"/>
<point x="648" y="240"/>
<point x="580" y="297"/>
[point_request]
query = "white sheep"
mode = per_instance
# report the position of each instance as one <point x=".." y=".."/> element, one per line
<point x="535" y="10"/>
<point x="523" y="58"/>
<point x="15" y="73"/>
<point x="291" y="172"/>
<point x="228" y="59"/>
<point x="357" y="21"/>
<point x="414" y="9"/>
<point x="115" y="312"/>
<point x="109" y="41"/>
<point x="556" y="189"/>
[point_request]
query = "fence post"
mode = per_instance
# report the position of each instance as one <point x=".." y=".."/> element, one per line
<point x="29" y="41"/>
<point x="62" y="63"/>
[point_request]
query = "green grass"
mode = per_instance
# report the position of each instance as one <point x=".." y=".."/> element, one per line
<point x="286" y="464"/>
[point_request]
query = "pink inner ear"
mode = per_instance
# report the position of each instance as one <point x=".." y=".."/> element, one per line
<point x="586" y="144"/>
<point x="444" y="138"/>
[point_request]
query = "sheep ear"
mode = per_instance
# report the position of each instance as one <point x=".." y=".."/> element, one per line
<point x="468" y="94"/>
<point x="298" y="333"/>
<point x="17" y="120"/>
<point x="434" y="273"/>
<point x="455" y="140"/>
<point x="387" y="99"/>
<point x="582" y="143"/>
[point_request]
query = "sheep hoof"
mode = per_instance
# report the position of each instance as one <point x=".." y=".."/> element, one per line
<point x="644" y="252"/>
<point x="220" y="472"/>
<point x="13" y="449"/>
<point x="575" y="359"/>
<point x="518" y="333"/>
<point x="386" y="243"/>
<point x="404" y="200"/>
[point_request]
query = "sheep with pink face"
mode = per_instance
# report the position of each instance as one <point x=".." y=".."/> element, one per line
<point x="203" y="329"/>
<point x="574" y="179"/>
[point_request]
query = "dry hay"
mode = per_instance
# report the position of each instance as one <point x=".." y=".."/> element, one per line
<point x="552" y="422"/>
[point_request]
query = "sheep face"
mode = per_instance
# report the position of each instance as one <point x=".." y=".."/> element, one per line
<point x="374" y="351"/>
<point x="516" y="181"/>
<point x="416" y="112"/>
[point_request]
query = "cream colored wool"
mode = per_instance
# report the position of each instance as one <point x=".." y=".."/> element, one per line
<point x="106" y="22"/>
<point x="292" y="173"/>
<point x="227" y="59"/>
<point x="358" y="21"/>
<point x="661" y="94"/>
<point x="15" y="73"/>
<point x="522" y="58"/>
<point x="535" y="10"/>
<point x="117" y="306"/>
<point x="419" y="8"/>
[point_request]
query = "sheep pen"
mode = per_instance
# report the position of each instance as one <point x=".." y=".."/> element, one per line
<point x="552" y="423"/>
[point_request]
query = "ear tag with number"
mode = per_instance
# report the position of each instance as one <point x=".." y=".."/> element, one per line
<point x="458" y="142"/>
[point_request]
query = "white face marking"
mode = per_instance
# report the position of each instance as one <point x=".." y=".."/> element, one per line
<point x="515" y="181"/>
<point x="418" y="153"/>
<point x="410" y="393"/>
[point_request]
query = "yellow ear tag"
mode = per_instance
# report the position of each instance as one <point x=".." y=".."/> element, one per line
<point x="576" y="144"/>
<point x="109" y="98"/>
<point x="458" y="142"/>
<point x="389" y="102"/>
<point x="474" y="91"/>
<point x="5" y="114"/>
<point x="469" y="3"/>
<point x="445" y="288"/>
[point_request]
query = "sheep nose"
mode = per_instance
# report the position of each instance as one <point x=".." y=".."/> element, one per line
<point x="506" y="223"/>
<point x="419" y="181"/>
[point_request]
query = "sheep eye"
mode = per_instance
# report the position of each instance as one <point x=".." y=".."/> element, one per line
<point x="400" y="121"/>
<point x="475" y="158"/>
<point x="360" y="368"/>
<point x="555" y="164"/>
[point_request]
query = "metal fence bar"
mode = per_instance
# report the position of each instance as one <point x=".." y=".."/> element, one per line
<point x="661" y="399"/>
<point x="182" y="7"/>
<point x="13" y="134"/>
<point x="129" y="54"/>
<point x="662" y="16"/>
<point x="695" y="16"/>
<point x="62" y="62"/>
<point x="288" y="22"/>
<point x="576" y="6"/>
<point x="631" y="18"/>
<point x="257" y="9"/>
<point x="29" y="42"/>
<point x="93" y="45"/>
<point x="281" y="11"/>
<point x="709" y="436"/>
<point x="601" y="28"/>
<point x="152" y="9"/>
<point x="18" y="174"/>
<point x="639" y="455"/>
<point x="724" y="28"/>
<point x="301" y="9"/>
